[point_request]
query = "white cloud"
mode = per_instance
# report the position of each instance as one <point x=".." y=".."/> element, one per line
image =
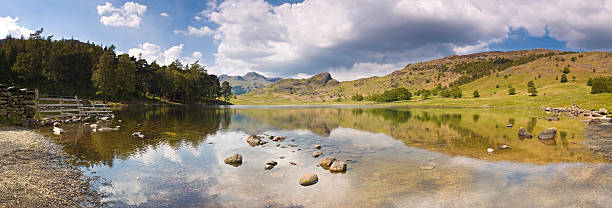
<point x="163" y="14"/>
<point x="9" y="26"/>
<point x="317" y="35"/>
<point x="202" y="31"/>
<point x="128" y="15"/>
<point x="361" y="70"/>
<point x="152" y="52"/>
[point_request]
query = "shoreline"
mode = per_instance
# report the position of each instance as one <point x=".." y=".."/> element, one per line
<point x="35" y="172"/>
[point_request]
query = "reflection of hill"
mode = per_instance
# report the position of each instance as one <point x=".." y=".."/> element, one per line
<point x="161" y="125"/>
<point x="460" y="132"/>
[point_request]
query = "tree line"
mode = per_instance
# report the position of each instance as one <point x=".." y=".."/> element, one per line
<point x="71" y="67"/>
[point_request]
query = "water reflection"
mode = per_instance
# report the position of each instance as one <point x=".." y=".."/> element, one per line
<point x="180" y="162"/>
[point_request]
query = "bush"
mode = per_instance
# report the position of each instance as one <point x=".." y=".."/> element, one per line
<point x="357" y="97"/>
<point x="566" y="70"/>
<point x="590" y="82"/>
<point x="601" y="85"/>
<point x="512" y="91"/>
<point x="563" y="78"/>
<point x="391" y="95"/>
<point x="454" y="92"/>
<point x="476" y="94"/>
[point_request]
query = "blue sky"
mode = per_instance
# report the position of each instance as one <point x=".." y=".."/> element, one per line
<point x="291" y="38"/>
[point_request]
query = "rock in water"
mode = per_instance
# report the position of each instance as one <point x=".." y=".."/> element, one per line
<point x="327" y="162"/>
<point x="234" y="160"/>
<point x="271" y="162"/>
<point x="522" y="133"/>
<point x="509" y="125"/>
<point x="309" y="179"/>
<point x="317" y="154"/>
<point x="292" y="163"/>
<point x="490" y="150"/>
<point x="57" y="124"/>
<point x="549" y="133"/>
<point x="58" y="131"/>
<point x="93" y="126"/>
<point x="138" y="134"/>
<point x="253" y="140"/>
<point x="317" y="146"/>
<point x="338" y="166"/>
<point x="603" y="111"/>
<point x="268" y="167"/>
<point x="504" y="147"/>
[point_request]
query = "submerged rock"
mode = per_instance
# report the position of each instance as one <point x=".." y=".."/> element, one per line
<point x="326" y="162"/>
<point x="138" y="134"/>
<point x="317" y="146"/>
<point x="429" y="167"/>
<point x="317" y="154"/>
<point x="549" y="133"/>
<point x="234" y="160"/>
<point x="309" y="179"/>
<point x="338" y="166"/>
<point x="292" y="163"/>
<point x="522" y="133"/>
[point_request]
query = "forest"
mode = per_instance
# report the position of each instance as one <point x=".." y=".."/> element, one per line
<point x="71" y="67"/>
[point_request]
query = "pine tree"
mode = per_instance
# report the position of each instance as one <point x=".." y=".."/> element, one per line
<point x="125" y="77"/>
<point x="531" y="88"/>
<point x="226" y="90"/>
<point x="563" y="78"/>
<point x="104" y="76"/>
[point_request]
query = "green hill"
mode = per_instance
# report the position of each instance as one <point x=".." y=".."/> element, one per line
<point x="481" y="71"/>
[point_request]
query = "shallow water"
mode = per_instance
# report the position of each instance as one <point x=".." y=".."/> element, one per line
<point x="180" y="161"/>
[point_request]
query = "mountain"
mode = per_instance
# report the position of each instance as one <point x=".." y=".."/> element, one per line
<point x="247" y="83"/>
<point x="491" y="73"/>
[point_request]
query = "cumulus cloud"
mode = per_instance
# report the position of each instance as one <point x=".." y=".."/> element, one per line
<point x="128" y="15"/>
<point x="202" y="31"/>
<point x="163" y="14"/>
<point x="316" y="35"/>
<point x="9" y="26"/>
<point x="152" y="52"/>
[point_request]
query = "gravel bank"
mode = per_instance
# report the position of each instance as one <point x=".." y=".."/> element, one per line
<point x="599" y="139"/>
<point x="34" y="173"/>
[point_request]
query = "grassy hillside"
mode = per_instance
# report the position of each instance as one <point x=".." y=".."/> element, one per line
<point x="545" y="71"/>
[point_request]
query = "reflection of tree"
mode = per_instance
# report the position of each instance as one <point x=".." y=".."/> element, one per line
<point x="441" y="130"/>
<point x="174" y="126"/>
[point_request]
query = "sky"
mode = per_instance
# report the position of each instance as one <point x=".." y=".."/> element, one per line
<point x="350" y="39"/>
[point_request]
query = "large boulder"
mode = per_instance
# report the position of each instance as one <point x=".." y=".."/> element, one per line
<point x="603" y="111"/>
<point x="522" y="133"/>
<point x="549" y="133"/>
<point x="326" y="162"/>
<point x="338" y="166"/>
<point x="253" y="140"/>
<point x="234" y="160"/>
<point x="309" y="179"/>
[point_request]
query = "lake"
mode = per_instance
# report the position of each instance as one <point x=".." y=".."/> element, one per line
<point x="396" y="157"/>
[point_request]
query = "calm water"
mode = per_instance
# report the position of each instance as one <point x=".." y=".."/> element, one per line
<point x="180" y="162"/>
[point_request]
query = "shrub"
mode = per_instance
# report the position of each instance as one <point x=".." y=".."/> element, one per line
<point x="563" y="78"/>
<point x="476" y="94"/>
<point x="357" y="97"/>
<point x="512" y="91"/>
<point x="590" y="82"/>
<point x="566" y="70"/>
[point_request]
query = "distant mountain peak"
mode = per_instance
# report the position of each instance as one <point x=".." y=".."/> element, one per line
<point x="248" y="82"/>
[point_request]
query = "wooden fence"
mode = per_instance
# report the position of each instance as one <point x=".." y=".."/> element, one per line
<point x="50" y="106"/>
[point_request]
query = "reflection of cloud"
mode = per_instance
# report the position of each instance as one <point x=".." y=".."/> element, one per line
<point x="360" y="138"/>
<point x="130" y="192"/>
<point x="151" y="155"/>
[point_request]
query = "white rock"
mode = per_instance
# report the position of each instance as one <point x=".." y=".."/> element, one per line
<point x="490" y="150"/>
<point x="93" y="126"/>
<point x="58" y="131"/>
